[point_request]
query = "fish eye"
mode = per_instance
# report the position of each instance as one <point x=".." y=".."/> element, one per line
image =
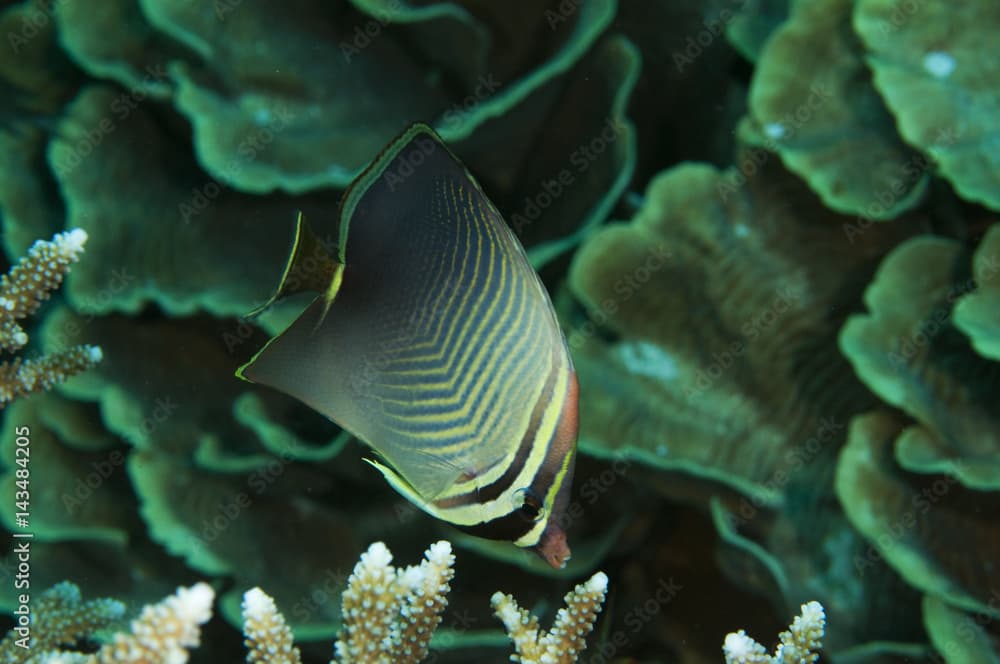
<point x="529" y="504"/>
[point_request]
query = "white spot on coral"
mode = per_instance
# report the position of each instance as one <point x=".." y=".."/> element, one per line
<point x="740" y="647"/>
<point x="646" y="359"/>
<point x="262" y="116"/>
<point x="377" y="555"/>
<point x="774" y="130"/>
<point x="813" y="614"/>
<point x="95" y="354"/>
<point x="741" y="230"/>
<point x="338" y="172"/>
<point x="597" y="583"/>
<point x="257" y="605"/>
<point x="440" y="553"/>
<point x="71" y="242"/>
<point x="939" y="64"/>
<point x="194" y="604"/>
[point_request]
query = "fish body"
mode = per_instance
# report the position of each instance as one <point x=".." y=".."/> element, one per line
<point x="434" y="341"/>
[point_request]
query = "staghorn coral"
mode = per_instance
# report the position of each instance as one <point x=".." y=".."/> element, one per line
<point x="59" y="617"/>
<point x="799" y="645"/>
<point x="568" y="637"/>
<point x="162" y="634"/>
<point x="227" y="117"/>
<point x="29" y="283"/>
<point x="390" y="614"/>
<point x="268" y="639"/>
<point x="23" y="289"/>
<point x="209" y="518"/>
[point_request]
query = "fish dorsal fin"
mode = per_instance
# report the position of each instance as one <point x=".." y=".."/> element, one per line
<point x="441" y="341"/>
<point x="313" y="265"/>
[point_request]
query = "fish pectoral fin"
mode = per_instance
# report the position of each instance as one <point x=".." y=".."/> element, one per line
<point x="311" y="267"/>
<point x="404" y="488"/>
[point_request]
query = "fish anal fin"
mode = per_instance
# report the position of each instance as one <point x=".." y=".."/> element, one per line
<point x="404" y="488"/>
<point x="313" y="266"/>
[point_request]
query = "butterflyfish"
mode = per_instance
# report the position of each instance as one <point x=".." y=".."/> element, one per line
<point x="434" y="342"/>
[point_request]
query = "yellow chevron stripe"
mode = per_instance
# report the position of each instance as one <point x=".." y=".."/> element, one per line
<point x="473" y="361"/>
<point x="472" y="327"/>
<point x="470" y="515"/>
<point x="488" y="354"/>
<point x="461" y="349"/>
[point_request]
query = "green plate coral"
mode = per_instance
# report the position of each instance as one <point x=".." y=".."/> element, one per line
<point x="769" y="232"/>
<point x="932" y="66"/>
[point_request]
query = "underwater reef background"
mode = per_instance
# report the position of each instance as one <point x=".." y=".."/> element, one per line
<point x="771" y="230"/>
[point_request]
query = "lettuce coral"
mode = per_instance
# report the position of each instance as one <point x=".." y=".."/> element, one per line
<point x="671" y="371"/>
<point x="909" y="352"/>
<point x="812" y="101"/>
<point x="924" y="525"/>
<point x="978" y="313"/>
<point x="931" y="65"/>
<point x="923" y="491"/>
<point x="790" y="338"/>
